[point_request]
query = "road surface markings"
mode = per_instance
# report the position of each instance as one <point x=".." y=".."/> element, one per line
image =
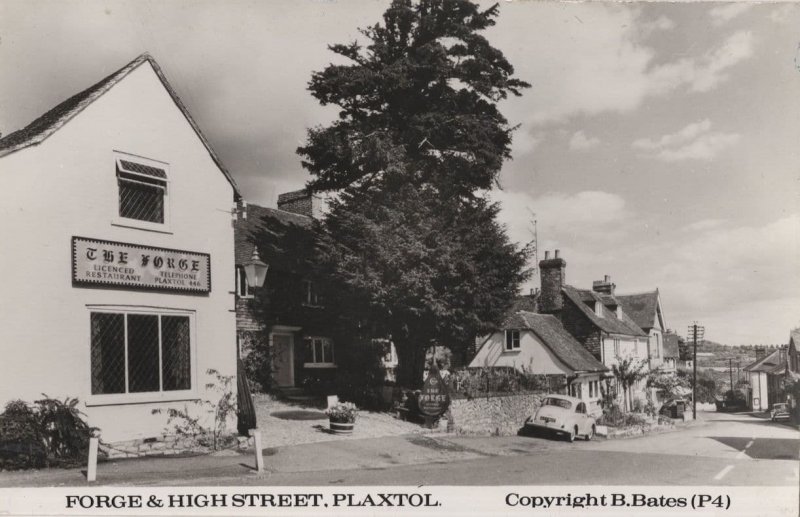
<point x="741" y="454"/>
<point x="723" y="472"/>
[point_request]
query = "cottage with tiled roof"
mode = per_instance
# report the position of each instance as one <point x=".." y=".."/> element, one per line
<point x="292" y="316"/>
<point x="539" y="344"/>
<point x="646" y="311"/>
<point x="117" y="247"/>
<point x="671" y="352"/>
<point x="767" y="374"/>
<point x="596" y="319"/>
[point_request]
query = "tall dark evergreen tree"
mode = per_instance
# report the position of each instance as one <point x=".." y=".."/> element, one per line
<point x="411" y="249"/>
<point x="408" y="266"/>
<point x="419" y="100"/>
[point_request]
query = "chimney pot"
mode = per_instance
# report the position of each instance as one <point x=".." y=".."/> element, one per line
<point x="547" y="255"/>
<point x="558" y="252"/>
<point x="607" y="278"/>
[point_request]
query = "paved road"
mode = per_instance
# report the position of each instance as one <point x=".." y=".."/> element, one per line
<point x="723" y="450"/>
<point x="727" y="450"/>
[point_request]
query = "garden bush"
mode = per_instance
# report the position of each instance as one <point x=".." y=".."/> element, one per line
<point x="361" y="376"/>
<point x="614" y="416"/>
<point x="48" y="433"/>
<point x="477" y="382"/>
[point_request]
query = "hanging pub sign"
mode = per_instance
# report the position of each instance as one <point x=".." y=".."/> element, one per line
<point x="97" y="262"/>
<point x="434" y="398"/>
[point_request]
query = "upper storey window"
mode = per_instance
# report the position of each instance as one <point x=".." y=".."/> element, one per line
<point x="143" y="192"/>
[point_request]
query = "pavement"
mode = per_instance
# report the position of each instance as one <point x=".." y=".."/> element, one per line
<point x="720" y="449"/>
<point x="271" y="415"/>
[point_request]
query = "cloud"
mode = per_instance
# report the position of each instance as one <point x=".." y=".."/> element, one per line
<point x="610" y="66"/>
<point x="739" y="281"/>
<point x="782" y="12"/>
<point x="704" y="73"/>
<point x="722" y="14"/>
<point x="524" y="142"/>
<point x="704" y="225"/>
<point x="564" y="220"/>
<point x="662" y="23"/>
<point x="580" y="142"/>
<point x="696" y="141"/>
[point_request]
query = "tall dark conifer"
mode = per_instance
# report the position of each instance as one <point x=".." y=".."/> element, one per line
<point x="412" y="250"/>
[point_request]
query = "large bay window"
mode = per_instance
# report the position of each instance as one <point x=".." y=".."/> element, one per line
<point x="137" y="352"/>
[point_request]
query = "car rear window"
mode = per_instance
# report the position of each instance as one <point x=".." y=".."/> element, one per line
<point x="550" y="401"/>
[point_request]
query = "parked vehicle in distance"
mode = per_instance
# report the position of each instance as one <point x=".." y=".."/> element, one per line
<point x="562" y="415"/>
<point x="779" y="411"/>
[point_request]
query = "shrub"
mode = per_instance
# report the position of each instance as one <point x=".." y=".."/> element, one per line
<point x="614" y="416"/>
<point x="476" y="382"/>
<point x="361" y="376"/>
<point x="49" y="433"/>
<point x="342" y="413"/>
<point x="217" y="411"/>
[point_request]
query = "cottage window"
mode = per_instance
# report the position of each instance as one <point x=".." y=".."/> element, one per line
<point x="657" y="346"/>
<point x="320" y="352"/>
<point x="140" y="353"/>
<point x="311" y="295"/>
<point x="616" y="347"/>
<point x="142" y="191"/>
<point x="512" y="339"/>
<point x="242" y="287"/>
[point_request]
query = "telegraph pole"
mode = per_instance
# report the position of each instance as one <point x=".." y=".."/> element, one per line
<point x="695" y="333"/>
<point x="730" y="368"/>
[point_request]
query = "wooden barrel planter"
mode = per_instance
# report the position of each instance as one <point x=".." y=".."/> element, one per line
<point x="342" y="427"/>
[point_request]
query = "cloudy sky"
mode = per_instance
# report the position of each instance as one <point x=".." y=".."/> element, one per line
<point x="658" y="144"/>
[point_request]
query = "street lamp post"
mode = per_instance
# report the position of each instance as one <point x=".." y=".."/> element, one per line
<point x="695" y="334"/>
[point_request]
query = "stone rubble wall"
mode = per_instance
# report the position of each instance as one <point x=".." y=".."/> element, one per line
<point x="501" y="414"/>
<point x="165" y="446"/>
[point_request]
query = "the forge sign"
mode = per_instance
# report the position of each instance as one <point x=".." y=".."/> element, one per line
<point x="434" y="398"/>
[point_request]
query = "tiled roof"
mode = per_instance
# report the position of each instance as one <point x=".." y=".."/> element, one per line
<point x="671" y="348"/>
<point x="774" y="363"/>
<point x="641" y="308"/>
<point x="41" y="128"/>
<point x="794" y="335"/>
<point x="609" y="321"/>
<point x="549" y="329"/>
<point x="525" y="302"/>
<point x="257" y="218"/>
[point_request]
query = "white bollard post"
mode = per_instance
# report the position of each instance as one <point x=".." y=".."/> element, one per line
<point x="91" y="468"/>
<point x="256" y="434"/>
<point x="332" y="400"/>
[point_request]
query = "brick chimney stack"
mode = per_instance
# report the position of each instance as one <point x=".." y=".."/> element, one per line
<point x="553" y="276"/>
<point x="761" y="352"/>
<point x="300" y="202"/>
<point x="604" y="286"/>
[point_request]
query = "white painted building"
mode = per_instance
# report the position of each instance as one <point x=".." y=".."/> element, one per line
<point x="537" y="344"/>
<point x="117" y="268"/>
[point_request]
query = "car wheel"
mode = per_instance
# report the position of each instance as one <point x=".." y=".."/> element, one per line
<point x="572" y="434"/>
<point x="590" y="434"/>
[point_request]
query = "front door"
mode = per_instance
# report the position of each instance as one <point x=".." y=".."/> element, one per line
<point x="283" y="359"/>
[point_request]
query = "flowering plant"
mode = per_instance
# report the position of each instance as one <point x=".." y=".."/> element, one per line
<point x="342" y="413"/>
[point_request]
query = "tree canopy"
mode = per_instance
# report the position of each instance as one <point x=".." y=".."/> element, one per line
<point x="411" y="251"/>
<point x="419" y="270"/>
<point x="420" y="100"/>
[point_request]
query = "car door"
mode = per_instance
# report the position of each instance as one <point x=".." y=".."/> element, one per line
<point x="581" y="418"/>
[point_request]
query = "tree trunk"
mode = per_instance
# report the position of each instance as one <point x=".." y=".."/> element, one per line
<point x="411" y="363"/>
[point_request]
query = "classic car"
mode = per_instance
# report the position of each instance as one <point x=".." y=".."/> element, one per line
<point x="779" y="411"/>
<point x="562" y="415"/>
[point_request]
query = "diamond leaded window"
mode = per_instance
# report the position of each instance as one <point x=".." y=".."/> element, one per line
<point x="142" y="191"/>
<point x="139" y="353"/>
